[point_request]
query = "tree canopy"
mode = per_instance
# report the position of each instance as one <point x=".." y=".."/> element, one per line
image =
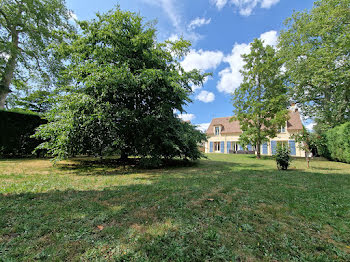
<point x="261" y="100"/>
<point x="316" y="48"/>
<point x="27" y="28"/>
<point x="127" y="87"/>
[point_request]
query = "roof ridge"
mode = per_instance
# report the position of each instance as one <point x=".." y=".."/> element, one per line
<point x="222" y="117"/>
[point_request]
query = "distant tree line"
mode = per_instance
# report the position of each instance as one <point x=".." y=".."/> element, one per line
<point x="107" y="86"/>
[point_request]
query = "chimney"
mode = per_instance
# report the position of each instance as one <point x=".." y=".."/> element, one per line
<point x="293" y="107"/>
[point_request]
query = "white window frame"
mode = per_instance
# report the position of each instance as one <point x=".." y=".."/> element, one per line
<point x="217" y="128"/>
<point x="282" y="129"/>
<point x="217" y="147"/>
<point x="284" y="143"/>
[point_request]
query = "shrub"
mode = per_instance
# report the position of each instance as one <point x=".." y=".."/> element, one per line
<point x="338" y="142"/>
<point x="319" y="142"/>
<point x="15" y="131"/>
<point x="282" y="157"/>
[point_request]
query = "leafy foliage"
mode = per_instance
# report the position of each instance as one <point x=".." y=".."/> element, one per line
<point x="27" y="28"/>
<point x="316" y="47"/>
<point x="310" y="142"/>
<point x="127" y="88"/>
<point x="260" y="102"/>
<point x="282" y="157"/>
<point x="36" y="101"/>
<point x="338" y="141"/>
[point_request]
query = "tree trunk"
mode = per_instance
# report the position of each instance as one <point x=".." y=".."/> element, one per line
<point x="3" y="99"/>
<point x="10" y="67"/>
<point x="258" y="155"/>
<point x="124" y="156"/>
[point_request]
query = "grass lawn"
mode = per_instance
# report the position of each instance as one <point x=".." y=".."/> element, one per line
<point x="227" y="207"/>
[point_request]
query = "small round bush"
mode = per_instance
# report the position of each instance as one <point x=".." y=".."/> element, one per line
<point x="282" y="157"/>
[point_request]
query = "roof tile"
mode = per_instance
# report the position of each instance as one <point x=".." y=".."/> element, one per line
<point x="294" y="123"/>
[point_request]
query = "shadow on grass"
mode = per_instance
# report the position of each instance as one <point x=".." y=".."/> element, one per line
<point x="324" y="168"/>
<point x="113" y="167"/>
<point x="199" y="213"/>
<point x="110" y="167"/>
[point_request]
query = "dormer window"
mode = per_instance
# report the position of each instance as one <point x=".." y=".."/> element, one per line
<point x="217" y="130"/>
<point x="282" y="129"/>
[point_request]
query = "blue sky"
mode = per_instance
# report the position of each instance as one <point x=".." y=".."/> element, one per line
<point x="220" y="31"/>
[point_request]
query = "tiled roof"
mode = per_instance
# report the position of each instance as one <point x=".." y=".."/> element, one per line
<point x="227" y="127"/>
<point x="294" y="122"/>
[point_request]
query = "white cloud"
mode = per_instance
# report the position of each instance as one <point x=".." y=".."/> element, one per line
<point x="202" y="60"/>
<point x="310" y="126"/>
<point x="203" y="127"/>
<point x="174" y="37"/>
<point x="206" y="96"/>
<point x="230" y="77"/>
<point x="198" y="22"/>
<point x="173" y="12"/>
<point x="186" y="117"/>
<point x="5" y="56"/>
<point x="268" y="3"/>
<point x="73" y="16"/>
<point x="170" y="9"/>
<point x="219" y="3"/>
<point x="245" y="7"/>
<point x="269" y="38"/>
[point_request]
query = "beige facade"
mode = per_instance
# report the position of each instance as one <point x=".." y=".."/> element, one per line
<point x="234" y="137"/>
<point x="223" y="136"/>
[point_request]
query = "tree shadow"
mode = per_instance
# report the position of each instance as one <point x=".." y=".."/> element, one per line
<point x="205" y="212"/>
<point x="112" y="167"/>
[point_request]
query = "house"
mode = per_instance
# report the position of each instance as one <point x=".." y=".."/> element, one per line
<point x="223" y="136"/>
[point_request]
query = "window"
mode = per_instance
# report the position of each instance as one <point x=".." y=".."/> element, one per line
<point x="217" y="130"/>
<point x="234" y="146"/>
<point x="282" y="129"/>
<point x="217" y="146"/>
<point x="283" y="143"/>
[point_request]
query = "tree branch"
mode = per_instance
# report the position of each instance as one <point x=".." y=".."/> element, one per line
<point x="6" y="20"/>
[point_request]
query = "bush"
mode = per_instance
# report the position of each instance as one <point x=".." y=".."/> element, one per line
<point x="15" y="131"/>
<point x="282" y="157"/>
<point x="320" y="143"/>
<point x="338" y="142"/>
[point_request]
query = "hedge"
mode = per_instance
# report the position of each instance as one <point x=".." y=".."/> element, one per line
<point x="15" y="131"/>
<point x="338" y="142"/>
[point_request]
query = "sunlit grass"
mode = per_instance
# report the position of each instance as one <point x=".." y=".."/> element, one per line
<point x="227" y="207"/>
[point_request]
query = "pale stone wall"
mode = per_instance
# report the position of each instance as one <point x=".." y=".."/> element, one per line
<point x="234" y="137"/>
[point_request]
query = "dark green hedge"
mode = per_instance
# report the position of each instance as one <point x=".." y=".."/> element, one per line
<point x="338" y="141"/>
<point x="15" y="131"/>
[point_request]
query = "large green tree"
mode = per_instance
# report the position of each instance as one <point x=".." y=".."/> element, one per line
<point x="127" y="87"/>
<point x="27" y="28"/>
<point x="261" y="100"/>
<point x="316" y="48"/>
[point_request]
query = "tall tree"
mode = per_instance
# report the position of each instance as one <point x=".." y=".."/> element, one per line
<point x="316" y="48"/>
<point x="261" y="100"/>
<point x="27" y="28"/>
<point x="127" y="88"/>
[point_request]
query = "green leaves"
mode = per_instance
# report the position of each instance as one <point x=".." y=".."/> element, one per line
<point x="315" y="46"/>
<point x="338" y="142"/>
<point x="282" y="157"/>
<point x="260" y="102"/>
<point x="27" y="28"/>
<point x="127" y="87"/>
